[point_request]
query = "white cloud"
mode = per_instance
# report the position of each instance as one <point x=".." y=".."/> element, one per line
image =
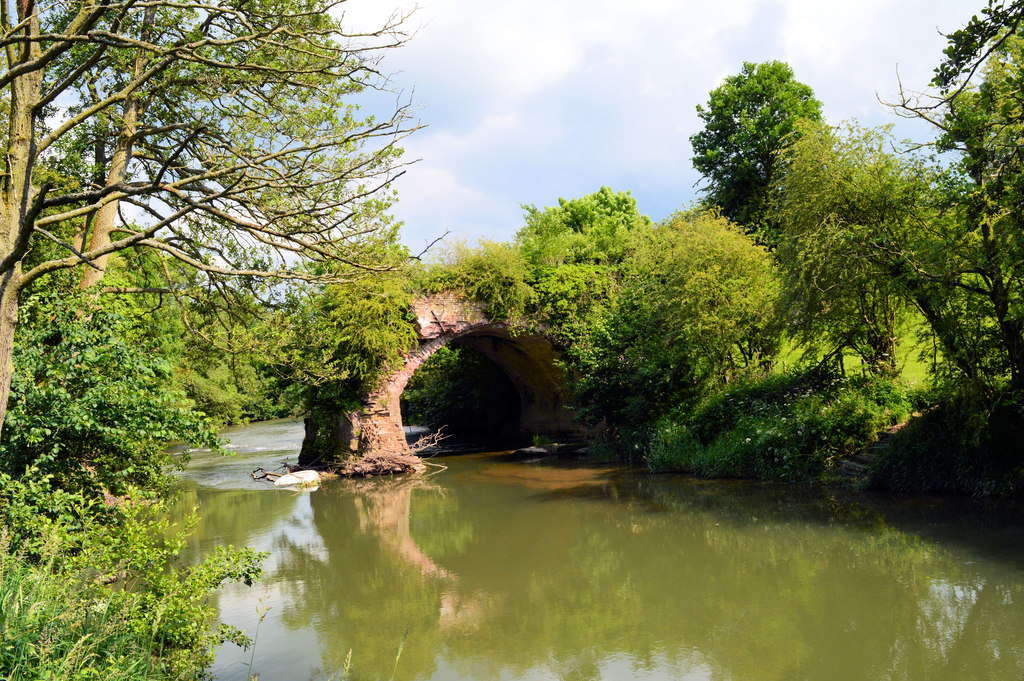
<point x="530" y="100"/>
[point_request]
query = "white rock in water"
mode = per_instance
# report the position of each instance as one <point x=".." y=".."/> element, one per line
<point x="298" y="478"/>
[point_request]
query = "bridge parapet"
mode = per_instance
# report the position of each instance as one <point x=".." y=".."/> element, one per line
<point x="446" y="312"/>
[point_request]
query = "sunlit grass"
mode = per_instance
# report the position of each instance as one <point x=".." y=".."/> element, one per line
<point x="53" y="627"/>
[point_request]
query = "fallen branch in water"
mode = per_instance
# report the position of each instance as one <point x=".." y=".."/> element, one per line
<point x="383" y="463"/>
<point x="429" y="440"/>
<point x="263" y="474"/>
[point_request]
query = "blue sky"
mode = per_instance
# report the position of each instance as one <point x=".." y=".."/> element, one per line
<point x="526" y="101"/>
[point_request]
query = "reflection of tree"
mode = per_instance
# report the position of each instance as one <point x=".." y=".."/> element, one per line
<point x="762" y="587"/>
<point x="605" y="579"/>
<point x="231" y="516"/>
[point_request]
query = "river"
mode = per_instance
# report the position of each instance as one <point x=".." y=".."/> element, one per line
<point x="493" y="568"/>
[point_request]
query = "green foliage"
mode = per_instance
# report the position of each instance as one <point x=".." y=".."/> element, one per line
<point x="344" y="335"/>
<point x="793" y="428"/>
<point x="232" y="392"/>
<point x="848" y="207"/>
<point x="568" y="295"/>
<point x="965" y="443"/>
<point x="964" y="267"/>
<point x="61" y="620"/>
<point x="694" y="311"/>
<point x="596" y="229"/>
<point x="748" y="121"/>
<point x="495" y="273"/>
<point x="969" y="46"/>
<point x="90" y="407"/>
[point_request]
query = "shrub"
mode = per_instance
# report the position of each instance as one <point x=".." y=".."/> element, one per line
<point x="90" y="408"/>
<point x="791" y="428"/>
<point x="965" y="443"/>
<point x="62" y="620"/>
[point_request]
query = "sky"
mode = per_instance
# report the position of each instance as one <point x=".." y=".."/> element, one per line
<point x="526" y="101"/>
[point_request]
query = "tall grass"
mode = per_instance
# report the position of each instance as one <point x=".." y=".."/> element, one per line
<point x="53" y="627"/>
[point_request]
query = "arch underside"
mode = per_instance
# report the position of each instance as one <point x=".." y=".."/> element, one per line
<point x="528" y="360"/>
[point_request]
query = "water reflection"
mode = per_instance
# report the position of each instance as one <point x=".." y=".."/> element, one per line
<point x="509" y="570"/>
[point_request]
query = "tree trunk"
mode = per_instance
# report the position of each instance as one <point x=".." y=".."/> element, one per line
<point x="103" y="222"/>
<point x="17" y="192"/>
<point x="106" y="216"/>
<point x="9" y="291"/>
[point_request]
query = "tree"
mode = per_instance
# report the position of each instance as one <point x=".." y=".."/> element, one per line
<point x="970" y="46"/>
<point x="695" y="310"/>
<point x="90" y="407"/>
<point x="595" y="229"/>
<point x="747" y="122"/>
<point x="968" y="277"/>
<point x="215" y="133"/>
<point x="848" y="208"/>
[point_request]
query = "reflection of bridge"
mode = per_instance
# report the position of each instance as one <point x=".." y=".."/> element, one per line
<point x="526" y="358"/>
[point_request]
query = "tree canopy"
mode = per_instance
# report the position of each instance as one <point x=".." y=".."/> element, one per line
<point x="219" y="134"/>
<point x="747" y="121"/>
<point x="593" y="229"/>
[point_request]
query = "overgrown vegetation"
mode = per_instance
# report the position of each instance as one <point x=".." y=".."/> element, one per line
<point x="185" y="188"/>
<point x="91" y="585"/>
<point x="790" y="427"/>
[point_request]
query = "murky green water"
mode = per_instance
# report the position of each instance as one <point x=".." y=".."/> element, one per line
<point x="508" y="570"/>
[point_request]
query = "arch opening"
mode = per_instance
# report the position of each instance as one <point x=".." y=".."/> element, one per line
<point x="467" y="394"/>
<point x="528" y="360"/>
<point x="538" y="402"/>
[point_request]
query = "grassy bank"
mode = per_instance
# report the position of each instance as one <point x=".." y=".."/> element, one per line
<point x="795" y="427"/>
<point x="58" y="626"/>
<point x="90" y="591"/>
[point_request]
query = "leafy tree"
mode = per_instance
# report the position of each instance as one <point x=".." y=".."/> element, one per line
<point x="213" y="133"/>
<point x="596" y="229"/>
<point x="845" y="203"/>
<point x="694" y="312"/>
<point x="971" y="45"/>
<point x="967" y="277"/>
<point x="90" y="408"/>
<point x="568" y="295"/>
<point x="747" y="122"/>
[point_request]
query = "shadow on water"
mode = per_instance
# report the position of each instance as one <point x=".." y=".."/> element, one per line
<point x="947" y="520"/>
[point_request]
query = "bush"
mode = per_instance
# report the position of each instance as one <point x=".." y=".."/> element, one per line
<point x="90" y="415"/>
<point x="792" y="428"/>
<point x="965" y="443"/>
<point x="61" y="620"/>
<point x="92" y="409"/>
<point x="496" y="274"/>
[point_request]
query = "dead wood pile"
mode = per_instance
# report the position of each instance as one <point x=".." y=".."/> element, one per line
<point x="382" y="463"/>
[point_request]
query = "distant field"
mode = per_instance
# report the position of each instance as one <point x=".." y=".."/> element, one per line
<point x="915" y="354"/>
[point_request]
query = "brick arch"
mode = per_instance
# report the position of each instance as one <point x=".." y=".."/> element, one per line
<point x="528" y="359"/>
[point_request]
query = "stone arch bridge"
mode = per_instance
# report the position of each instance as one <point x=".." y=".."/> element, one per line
<point x="528" y="359"/>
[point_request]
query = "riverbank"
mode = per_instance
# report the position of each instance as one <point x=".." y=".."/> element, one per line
<point x="805" y="427"/>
